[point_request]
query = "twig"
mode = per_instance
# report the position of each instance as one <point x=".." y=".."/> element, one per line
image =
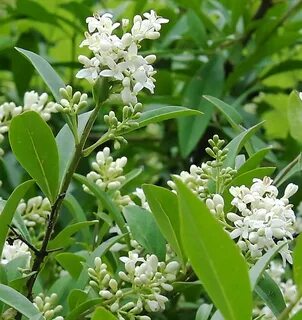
<point x="20" y="237"/>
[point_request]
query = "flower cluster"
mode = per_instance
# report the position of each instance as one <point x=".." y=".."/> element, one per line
<point x="262" y="220"/>
<point x="118" y="58"/>
<point x="116" y="128"/>
<point x="71" y="102"/>
<point x="47" y="305"/>
<point x="32" y="101"/>
<point x="35" y="213"/>
<point x="140" y="288"/>
<point x="15" y="250"/>
<point x="288" y="289"/>
<point x="199" y="177"/>
<point x="108" y="175"/>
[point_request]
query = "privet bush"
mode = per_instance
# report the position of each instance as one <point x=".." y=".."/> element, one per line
<point x="216" y="242"/>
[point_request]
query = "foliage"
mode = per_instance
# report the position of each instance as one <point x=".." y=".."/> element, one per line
<point x="131" y="214"/>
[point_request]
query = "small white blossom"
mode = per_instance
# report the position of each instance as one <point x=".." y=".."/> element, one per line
<point x="145" y="281"/>
<point x="15" y="250"/>
<point x="48" y="306"/>
<point x="117" y="57"/>
<point x="108" y="175"/>
<point x="262" y="220"/>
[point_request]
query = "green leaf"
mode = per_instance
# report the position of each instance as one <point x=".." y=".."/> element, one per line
<point x="105" y="200"/>
<point x="18" y="221"/>
<point x="101" y="313"/>
<point x="196" y="28"/>
<point x="47" y="73"/>
<point x="76" y="297"/>
<point x="103" y="248"/>
<point x="297" y="257"/>
<point x="131" y="175"/>
<point x="295" y="116"/>
<point x="260" y="266"/>
<point x="215" y="258"/>
<point x="9" y="210"/>
<point x="63" y="239"/>
<point x="165" y="113"/>
<point x="237" y="143"/>
<point x="204" y="311"/>
<point x="17" y="301"/>
<point x="85" y="306"/>
<point x="21" y="67"/>
<point x="145" y="230"/>
<point x="297" y="316"/>
<point x="291" y="169"/>
<point x="71" y="262"/>
<point x="35" y="148"/>
<point x="270" y="293"/>
<point x="65" y="143"/>
<point x="208" y="80"/>
<point x="254" y="161"/>
<point x="164" y="207"/>
<point x="231" y="114"/>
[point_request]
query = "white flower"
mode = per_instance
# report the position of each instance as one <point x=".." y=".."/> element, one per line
<point x="15" y="250"/>
<point x="118" y="58"/>
<point x="262" y="220"/>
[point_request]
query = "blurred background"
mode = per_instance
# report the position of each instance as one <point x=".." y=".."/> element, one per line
<point x="246" y="53"/>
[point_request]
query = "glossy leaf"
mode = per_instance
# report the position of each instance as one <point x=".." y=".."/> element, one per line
<point x="47" y="73"/>
<point x="35" y="148"/>
<point x="237" y="143"/>
<point x="231" y="114"/>
<point x="83" y="307"/>
<point x="270" y="293"/>
<point x="254" y="161"/>
<point x="215" y="258"/>
<point x="9" y="210"/>
<point x="76" y="297"/>
<point x="297" y="257"/>
<point x="208" y="80"/>
<point x="290" y="170"/>
<point x="71" y="262"/>
<point x="145" y="230"/>
<point x="297" y="316"/>
<point x="260" y="266"/>
<point x="17" y="301"/>
<point x="63" y="239"/>
<point x="164" y="207"/>
<point x="295" y="116"/>
<point x="203" y="312"/>
<point x="101" y="313"/>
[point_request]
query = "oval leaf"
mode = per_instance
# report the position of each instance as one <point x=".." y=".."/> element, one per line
<point x="101" y="314"/>
<point x="47" y="73"/>
<point x="164" y="207"/>
<point x="35" y="148"/>
<point x="17" y="301"/>
<point x="145" y="230"/>
<point x="215" y="258"/>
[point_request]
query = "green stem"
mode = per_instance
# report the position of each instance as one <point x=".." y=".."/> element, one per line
<point x="103" y="139"/>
